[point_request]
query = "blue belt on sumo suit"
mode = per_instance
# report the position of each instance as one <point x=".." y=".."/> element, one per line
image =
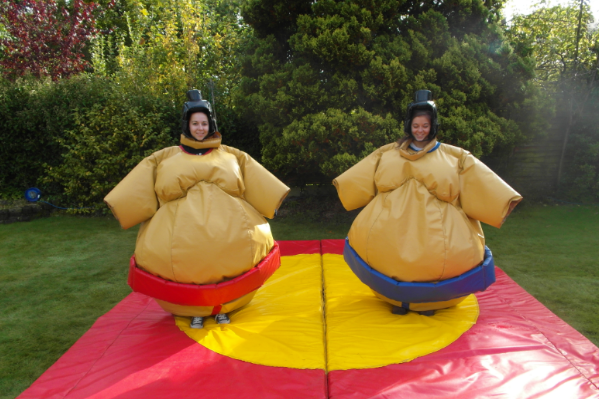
<point x="477" y="279"/>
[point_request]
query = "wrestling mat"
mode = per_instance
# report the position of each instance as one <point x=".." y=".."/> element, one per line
<point x="315" y="331"/>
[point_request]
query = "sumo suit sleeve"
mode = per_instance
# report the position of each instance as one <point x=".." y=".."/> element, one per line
<point x="485" y="196"/>
<point x="263" y="190"/>
<point x="133" y="200"/>
<point x="355" y="186"/>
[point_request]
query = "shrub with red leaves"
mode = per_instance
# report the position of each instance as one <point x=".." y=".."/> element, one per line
<point x="45" y="39"/>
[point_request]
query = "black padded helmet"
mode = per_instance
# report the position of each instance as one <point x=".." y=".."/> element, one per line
<point x="196" y="104"/>
<point x="423" y="101"/>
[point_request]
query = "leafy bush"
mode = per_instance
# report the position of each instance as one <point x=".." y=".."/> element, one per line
<point x="237" y="132"/>
<point x="330" y="142"/>
<point x="105" y="144"/>
<point x="581" y="181"/>
<point x="76" y="138"/>
<point x="45" y="37"/>
<point x="33" y="117"/>
<point x="313" y="66"/>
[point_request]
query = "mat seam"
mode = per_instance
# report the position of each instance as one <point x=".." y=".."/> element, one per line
<point x="105" y="350"/>
<point x="324" y="324"/>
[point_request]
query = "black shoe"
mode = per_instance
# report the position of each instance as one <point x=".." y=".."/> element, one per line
<point x="427" y="313"/>
<point x="222" y="318"/>
<point x="197" y="322"/>
<point x="399" y="310"/>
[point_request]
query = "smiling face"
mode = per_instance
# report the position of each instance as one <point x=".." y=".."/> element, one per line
<point x="199" y="125"/>
<point x="421" y="127"/>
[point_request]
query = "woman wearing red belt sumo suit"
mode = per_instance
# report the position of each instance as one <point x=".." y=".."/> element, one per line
<point x="204" y="247"/>
<point x="418" y="243"/>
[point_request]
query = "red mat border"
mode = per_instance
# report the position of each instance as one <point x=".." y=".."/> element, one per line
<point x="527" y="352"/>
<point x="136" y="351"/>
<point x="508" y="353"/>
<point x="137" y="338"/>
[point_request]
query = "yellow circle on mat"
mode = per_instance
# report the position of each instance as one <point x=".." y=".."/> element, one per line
<point x="282" y="326"/>
<point x="363" y="333"/>
<point x="288" y="325"/>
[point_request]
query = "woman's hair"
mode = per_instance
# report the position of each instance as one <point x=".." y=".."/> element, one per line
<point x="418" y="112"/>
<point x="423" y="112"/>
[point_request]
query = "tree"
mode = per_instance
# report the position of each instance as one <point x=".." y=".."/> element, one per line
<point x="45" y="39"/>
<point x="558" y="38"/>
<point x="566" y="55"/>
<point x="171" y="46"/>
<point x="329" y="81"/>
<point x="146" y="55"/>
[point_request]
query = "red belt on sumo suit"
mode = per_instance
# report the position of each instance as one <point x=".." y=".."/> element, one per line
<point x="206" y="294"/>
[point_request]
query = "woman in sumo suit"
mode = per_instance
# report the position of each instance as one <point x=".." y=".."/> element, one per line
<point x="204" y="247"/>
<point x="418" y="243"/>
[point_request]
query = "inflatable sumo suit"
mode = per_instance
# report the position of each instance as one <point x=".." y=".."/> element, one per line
<point x="418" y="242"/>
<point x="204" y="246"/>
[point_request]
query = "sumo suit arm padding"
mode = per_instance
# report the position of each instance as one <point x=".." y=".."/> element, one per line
<point x="263" y="190"/>
<point x="485" y="196"/>
<point x="133" y="200"/>
<point x="356" y="186"/>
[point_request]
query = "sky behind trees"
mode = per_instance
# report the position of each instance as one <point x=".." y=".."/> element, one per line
<point x="527" y="6"/>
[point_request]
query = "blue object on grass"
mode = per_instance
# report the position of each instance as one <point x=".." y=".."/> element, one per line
<point x="34" y="194"/>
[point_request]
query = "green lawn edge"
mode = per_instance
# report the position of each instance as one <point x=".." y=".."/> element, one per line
<point x="59" y="274"/>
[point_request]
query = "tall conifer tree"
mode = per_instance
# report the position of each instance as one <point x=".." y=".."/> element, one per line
<point x="329" y="81"/>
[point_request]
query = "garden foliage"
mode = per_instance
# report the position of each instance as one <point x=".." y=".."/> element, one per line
<point x="329" y="81"/>
<point x="45" y="38"/>
<point x="76" y="138"/>
<point x="565" y="50"/>
<point x="321" y="83"/>
<point x="105" y="143"/>
<point x="34" y="116"/>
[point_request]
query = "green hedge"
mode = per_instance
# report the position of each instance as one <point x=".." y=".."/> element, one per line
<point x="77" y="138"/>
<point x="106" y="142"/>
<point x="34" y="115"/>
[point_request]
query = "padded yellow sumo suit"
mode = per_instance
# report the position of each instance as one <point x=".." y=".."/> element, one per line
<point x="202" y="217"/>
<point x="421" y="221"/>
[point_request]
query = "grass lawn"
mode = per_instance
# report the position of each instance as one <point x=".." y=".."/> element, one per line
<point x="58" y="275"/>
<point x="553" y="253"/>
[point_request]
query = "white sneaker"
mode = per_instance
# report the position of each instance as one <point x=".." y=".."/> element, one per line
<point x="222" y="318"/>
<point x="197" y="322"/>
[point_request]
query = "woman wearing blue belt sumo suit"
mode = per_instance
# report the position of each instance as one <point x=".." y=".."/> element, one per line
<point x="418" y="243"/>
<point x="204" y="247"/>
